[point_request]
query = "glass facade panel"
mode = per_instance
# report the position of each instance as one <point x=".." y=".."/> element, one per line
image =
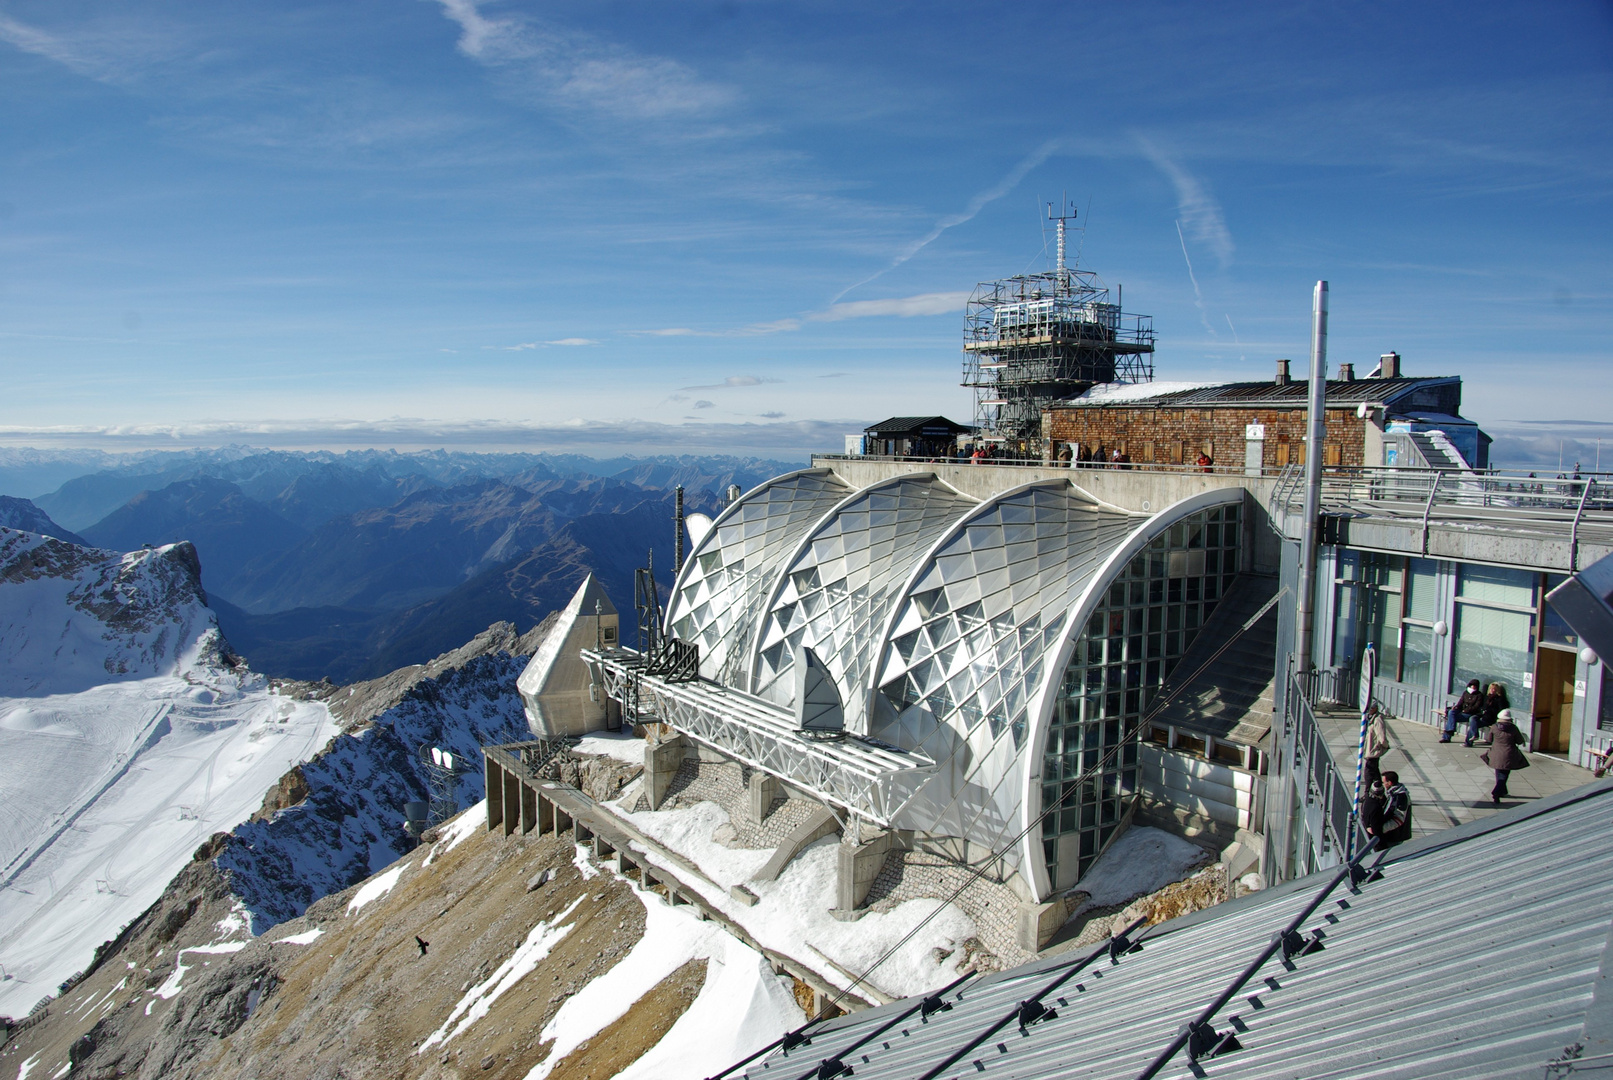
<point x="1553" y="629"/>
<point x="1367" y="608"/>
<point x="1492" y="646"/>
<point x="1107" y="687"/>
<point x="1495" y="585"/>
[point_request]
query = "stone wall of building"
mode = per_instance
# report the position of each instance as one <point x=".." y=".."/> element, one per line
<point x="1168" y="436"/>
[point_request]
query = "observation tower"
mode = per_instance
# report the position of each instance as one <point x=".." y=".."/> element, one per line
<point x="1034" y="339"/>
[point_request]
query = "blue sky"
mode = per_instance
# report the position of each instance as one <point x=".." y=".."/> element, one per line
<point x="649" y="227"/>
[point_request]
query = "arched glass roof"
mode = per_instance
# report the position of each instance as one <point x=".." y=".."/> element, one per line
<point x="733" y="569"/>
<point x="837" y="593"/>
<point x="968" y="652"/>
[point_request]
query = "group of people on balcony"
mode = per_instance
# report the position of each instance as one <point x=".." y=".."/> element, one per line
<point x="1489" y="708"/>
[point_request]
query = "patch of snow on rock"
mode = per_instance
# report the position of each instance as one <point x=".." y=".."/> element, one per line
<point x="480" y="998"/>
<point x="741" y="1008"/>
<point x="792" y="915"/>
<point x="621" y="746"/>
<point x="307" y="937"/>
<point x="457" y="830"/>
<point x="375" y="888"/>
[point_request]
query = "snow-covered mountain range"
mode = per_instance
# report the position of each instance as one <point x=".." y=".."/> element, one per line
<point x="130" y="734"/>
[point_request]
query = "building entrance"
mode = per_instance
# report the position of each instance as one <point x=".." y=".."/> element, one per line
<point x="1554" y="700"/>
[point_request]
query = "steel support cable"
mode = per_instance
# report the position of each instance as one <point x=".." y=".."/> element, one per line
<point x="797" y="1036"/>
<point x="1031" y="1009"/>
<point x="1283" y="940"/>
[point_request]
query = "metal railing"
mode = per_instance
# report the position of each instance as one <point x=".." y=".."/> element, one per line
<point x="1328" y="802"/>
<point x="1233" y="469"/>
<point x="1574" y="509"/>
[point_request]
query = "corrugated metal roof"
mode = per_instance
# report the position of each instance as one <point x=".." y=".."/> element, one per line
<point x="1268" y="394"/>
<point x="1476" y="954"/>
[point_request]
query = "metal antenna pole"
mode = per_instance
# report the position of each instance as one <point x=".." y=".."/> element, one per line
<point x="677" y="564"/>
<point x="1315" y="435"/>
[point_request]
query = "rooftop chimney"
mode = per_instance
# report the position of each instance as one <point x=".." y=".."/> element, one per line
<point x="1389" y="366"/>
<point x="1346" y="373"/>
<point x="1282" y="373"/>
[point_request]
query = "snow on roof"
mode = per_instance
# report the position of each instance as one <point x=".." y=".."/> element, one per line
<point x="1117" y="392"/>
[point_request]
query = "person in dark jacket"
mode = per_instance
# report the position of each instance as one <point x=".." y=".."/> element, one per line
<point x="1468" y="708"/>
<point x="1505" y="754"/>
<point x="1495" y="699"/>
<point x="1395" y="825"/>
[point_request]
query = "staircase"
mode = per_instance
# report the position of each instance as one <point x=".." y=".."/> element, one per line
<point x="1231" y="700"/>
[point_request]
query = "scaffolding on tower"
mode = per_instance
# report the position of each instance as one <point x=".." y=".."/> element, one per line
<point x="1034" y="339"/>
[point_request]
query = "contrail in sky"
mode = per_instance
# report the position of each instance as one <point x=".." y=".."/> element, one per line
<point x="976" y="204"/>
<point x="1198" y="297"/>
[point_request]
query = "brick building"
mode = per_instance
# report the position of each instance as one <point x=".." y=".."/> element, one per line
<point x="1381" y="420"/>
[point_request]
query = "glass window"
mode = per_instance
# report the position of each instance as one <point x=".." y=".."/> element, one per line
<point x="1494" y="585"/>
<point x="1421" y="583"/>
<point x="1416" y="656"/>
<point x="1492" y="646"/>
<point x="1553" y="630"/>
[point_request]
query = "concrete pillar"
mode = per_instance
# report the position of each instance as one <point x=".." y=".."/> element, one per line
<point x="545" y="815"/>
<point x="764" y="790"/>
<point x="859" y="863"/>
<point x="661" y="761"/>
<point x="493" y="774"/>
<point x="512" y="803"/>
<point x="529" y="808"/>
<point x="562" y="820"/>
<point x="1038" y="923"/>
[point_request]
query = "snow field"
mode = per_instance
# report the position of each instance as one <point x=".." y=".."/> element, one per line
<point x="791" y="915"/>
<point x="307" y="937"/>
<point x="170" y="987"/>
<point x="741" y="1007"/>
<point x="108" y="792"/>
<point x="623" y="747"/>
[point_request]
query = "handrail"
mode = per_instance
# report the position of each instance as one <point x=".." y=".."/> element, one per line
<point x="1573" y="532"/>
<point x="1428" y="508"/>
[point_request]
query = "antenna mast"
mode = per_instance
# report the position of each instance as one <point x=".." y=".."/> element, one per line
<point x="1067" y="212"/>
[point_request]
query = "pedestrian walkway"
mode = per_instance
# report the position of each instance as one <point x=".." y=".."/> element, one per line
<point x="1449" y="783"/>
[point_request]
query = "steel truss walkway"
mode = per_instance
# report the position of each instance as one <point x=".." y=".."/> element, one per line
<point x="870" y="781"/>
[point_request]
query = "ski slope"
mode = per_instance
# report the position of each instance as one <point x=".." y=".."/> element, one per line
<point x="105" y="795"/>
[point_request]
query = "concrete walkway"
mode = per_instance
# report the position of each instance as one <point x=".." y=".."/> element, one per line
<point x="1449" y="784"/>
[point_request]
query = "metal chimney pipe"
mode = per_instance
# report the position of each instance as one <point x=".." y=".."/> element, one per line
<point x="1282" y="373"/>
<point x="1315" y="438"/>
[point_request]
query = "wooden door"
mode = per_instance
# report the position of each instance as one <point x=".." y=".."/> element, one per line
<point x="1554" y="700"/>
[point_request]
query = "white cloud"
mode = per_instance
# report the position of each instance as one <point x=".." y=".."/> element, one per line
<point x="733" y="381"/>
<point x="753" y="330"/>
<point x="799" y="437"/>
<point x="111" y="50"/>
<point x="573" y="341"/>
<point x="575" y="70"/>
<point x="939" y="303"/>
<point x="1198" y="210"/>
<point x="705" y="405"/>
